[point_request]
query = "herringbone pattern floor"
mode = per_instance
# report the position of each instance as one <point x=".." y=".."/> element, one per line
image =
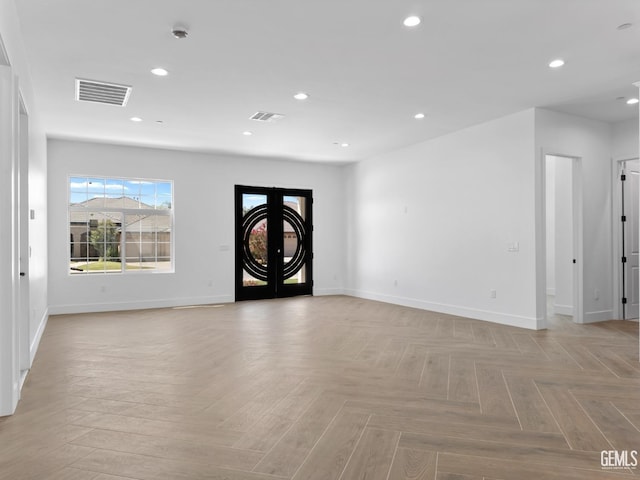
<point x="322" y="388"/>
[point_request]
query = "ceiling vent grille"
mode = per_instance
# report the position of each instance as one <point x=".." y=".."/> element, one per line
<point x="266" y="117"/>
<point x="102" y="92"/>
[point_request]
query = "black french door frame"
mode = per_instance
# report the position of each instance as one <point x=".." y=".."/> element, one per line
<point x="278" y="275"/>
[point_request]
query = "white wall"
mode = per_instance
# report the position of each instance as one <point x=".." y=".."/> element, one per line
<point x="204" y="222"/>
<point x="430" y="225"/>
<point x="625" y="140"/>
<point x="10" y="38"/>
<point x="562" y="134"/>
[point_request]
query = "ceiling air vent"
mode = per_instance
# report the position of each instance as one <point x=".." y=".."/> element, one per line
<point x="102" y="92"/>
<point x="266" y="117"/>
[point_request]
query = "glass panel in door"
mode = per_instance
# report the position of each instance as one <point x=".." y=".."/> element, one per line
<point x="294" y="232"/>
<point x="255" y="241"/>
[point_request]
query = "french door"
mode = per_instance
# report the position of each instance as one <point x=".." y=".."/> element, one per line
<point x="273" y="242"/>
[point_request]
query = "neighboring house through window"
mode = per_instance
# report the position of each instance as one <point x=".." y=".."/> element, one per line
<point x="120" y="225"/>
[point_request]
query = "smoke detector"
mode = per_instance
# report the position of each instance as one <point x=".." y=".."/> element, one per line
<point x="179" y="32"/>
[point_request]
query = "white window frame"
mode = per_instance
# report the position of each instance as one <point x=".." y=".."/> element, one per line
<point x="123" y="212"/>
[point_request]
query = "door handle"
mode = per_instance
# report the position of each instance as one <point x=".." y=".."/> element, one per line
<point x="22" y="274"/>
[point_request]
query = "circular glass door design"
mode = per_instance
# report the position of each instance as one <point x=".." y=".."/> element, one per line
<point x="273" y="242"/>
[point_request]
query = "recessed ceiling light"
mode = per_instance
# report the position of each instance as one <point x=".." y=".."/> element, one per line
<point x="160" y="72"/>
<point x="301" y="96"/>
<point x="632" y="101"/>
<point x="557" y="63"/>
<point x="411" y="21"/>
<point x="419" y="116"/>
<point x="344" y="144"/>
<point x="135" y="119"/>
<point x="624" y="26"/>
<point x="247" y="133"/>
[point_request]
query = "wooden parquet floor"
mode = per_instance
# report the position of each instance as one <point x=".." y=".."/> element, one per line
<point x="322" y="388"/>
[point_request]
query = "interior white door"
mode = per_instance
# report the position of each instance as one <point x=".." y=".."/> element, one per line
<point x="631" y="238"/>
<point x="22" y="214"/>
<point x="564" y="249"/>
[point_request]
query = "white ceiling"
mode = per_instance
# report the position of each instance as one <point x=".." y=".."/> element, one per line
<point x="468" y="62"/>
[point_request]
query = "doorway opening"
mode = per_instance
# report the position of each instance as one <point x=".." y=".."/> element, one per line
<point x="563" y="242"/>
<point x="273" y="242"/>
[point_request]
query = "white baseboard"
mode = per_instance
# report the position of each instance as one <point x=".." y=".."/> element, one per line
<point x="35" y="343"/>
<point x="563" y="309"/>
<point x="602" y="316"/>
<point x="321" y="292"/>
<point x="139" y="305"/>
<point x="10" y="398"/>
<point x="23" y="378"/>
<point x="486" y="315"/>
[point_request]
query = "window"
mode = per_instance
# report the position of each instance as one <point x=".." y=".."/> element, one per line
<point x="120" y="225"/>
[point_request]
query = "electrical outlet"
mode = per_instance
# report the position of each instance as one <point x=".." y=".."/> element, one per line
<point x="492" y="293"/>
